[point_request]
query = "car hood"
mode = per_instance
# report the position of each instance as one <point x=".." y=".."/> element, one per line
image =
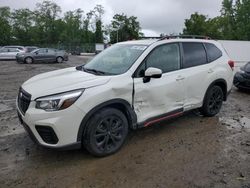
<point x="61" y="81"/>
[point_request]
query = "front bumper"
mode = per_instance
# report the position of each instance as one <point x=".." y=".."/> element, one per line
<point x="241" y="80"/>
<point x="64" y="125"/>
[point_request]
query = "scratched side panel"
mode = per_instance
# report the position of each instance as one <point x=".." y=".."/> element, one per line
<point x="158" y="96"/>
<point x="119" y="87"/>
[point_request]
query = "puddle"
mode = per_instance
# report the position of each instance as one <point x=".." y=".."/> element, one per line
<point x="236" y="123"/>
<point x="4" y="108"/>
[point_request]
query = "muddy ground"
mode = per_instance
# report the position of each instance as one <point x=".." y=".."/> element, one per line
<point x="191" y="151"/>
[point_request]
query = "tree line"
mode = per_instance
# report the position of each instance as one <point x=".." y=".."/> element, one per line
<point x="46" y="25"/>
<point x="232" y="24"/>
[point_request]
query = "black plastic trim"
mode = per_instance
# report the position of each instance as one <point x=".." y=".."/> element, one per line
<point x="161" y="117"/>
<point x="130" y="113"/>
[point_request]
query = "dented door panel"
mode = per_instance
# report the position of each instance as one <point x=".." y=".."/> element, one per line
<point x="158" y="96"/>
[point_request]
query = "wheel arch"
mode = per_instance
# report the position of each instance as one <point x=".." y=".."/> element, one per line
<point x="221" y="83"/>
<point x="119" y="104"/>
<point x="28" y="57"/>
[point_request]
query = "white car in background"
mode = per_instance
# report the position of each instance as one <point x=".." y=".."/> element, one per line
<point x="128" y="86"/>
<point x="10" y="52"/>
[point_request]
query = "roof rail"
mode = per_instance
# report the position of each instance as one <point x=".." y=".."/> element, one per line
<point x="185" y="37"/>
<point x="150" y="37"/>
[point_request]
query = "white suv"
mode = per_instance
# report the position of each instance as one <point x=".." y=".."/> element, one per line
<point x="128" y="86"/>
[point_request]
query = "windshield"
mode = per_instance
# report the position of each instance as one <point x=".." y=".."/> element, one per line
<point x="115" y="60"/>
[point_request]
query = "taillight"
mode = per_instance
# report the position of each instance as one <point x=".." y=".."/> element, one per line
<point x="231" y="64"/>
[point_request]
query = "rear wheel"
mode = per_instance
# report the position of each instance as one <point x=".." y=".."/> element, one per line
<point x="28" y="60"/>
<point x="213" y="101"/>
<point x="59" y="59"/>
<point x="106" y="132"/>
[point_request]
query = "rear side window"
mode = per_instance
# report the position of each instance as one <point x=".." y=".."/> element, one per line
<point x="194" y="54"/>
<point x="213" y="52"/>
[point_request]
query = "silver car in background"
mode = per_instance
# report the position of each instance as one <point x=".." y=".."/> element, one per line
<point x="10" y="52"/>
<point x="42" y="55"/>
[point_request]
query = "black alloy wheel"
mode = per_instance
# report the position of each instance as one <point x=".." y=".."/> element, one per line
<point x="213" y="101"/>
<point x="106" y="132"/>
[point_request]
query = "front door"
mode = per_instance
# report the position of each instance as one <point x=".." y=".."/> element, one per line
<point x="162" y="95"/>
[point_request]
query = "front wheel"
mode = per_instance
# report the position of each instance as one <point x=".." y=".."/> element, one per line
<point x="59" y="59"/>
<point x="213" y="101"/>
<point x="28" y="60"/>
<point x="106" y="132"/>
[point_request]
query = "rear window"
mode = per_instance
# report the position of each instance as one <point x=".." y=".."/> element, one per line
<point x="194" y="54"/>
<point x="213" y="52"/>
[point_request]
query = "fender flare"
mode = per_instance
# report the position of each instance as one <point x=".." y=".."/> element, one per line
<point x="120" y="104"/>
<point x="218" y="82"/>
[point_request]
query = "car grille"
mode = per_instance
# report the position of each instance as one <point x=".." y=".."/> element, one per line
<point x="23" y="100"/>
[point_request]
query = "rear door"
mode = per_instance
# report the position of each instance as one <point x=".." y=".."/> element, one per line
<point x="198" y="73"/>
<point x="41" y="54"/>
<point x="51" y="54"/>
<point x="162" y="95"/>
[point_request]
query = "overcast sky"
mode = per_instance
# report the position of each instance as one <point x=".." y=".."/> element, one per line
<point x="155" y="16"/>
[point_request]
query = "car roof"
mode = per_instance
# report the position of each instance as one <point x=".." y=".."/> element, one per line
<point x="148" y="42"/>
<point x="13" y="46"/>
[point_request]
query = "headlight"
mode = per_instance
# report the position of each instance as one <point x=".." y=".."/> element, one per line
<point x="59" y="101"/>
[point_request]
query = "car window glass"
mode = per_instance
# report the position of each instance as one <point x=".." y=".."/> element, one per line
<point x="42" y="51"/>
<point x="13" y="50"/>
<point x="213" y="52"/>
<point x="165" y="57"/>
<point x="194" y="54"/>
<point x="4" y="50"/>
<point x="51" y="51"/>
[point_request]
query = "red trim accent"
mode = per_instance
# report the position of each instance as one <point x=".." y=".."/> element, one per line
<point x="163" y="118"/>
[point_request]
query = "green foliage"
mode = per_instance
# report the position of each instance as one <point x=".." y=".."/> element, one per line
<point x="232" y="24"/>
<point x="124" y="28"/>
<point x="5" y="27"/>
<point x="45" y="27"/>
<point x="199" y="24"/>
<point x="242" y="16"/>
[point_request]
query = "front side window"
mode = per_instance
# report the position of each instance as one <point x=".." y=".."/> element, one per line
<point x="165" y="57"/>
<point x="42" y="51"/>
<point x="115" y="60"/>
<point x="194" y="54"/>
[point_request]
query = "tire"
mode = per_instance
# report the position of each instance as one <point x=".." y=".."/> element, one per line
<point x="28" y="60"/>
<point x="213" y="101"/>
<point x="59" y="59"/>
<point x="106" y="132"/>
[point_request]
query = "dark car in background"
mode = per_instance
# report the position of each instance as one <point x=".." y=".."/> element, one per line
<point x="242" y="77"/>
<point x="42" y="55"/>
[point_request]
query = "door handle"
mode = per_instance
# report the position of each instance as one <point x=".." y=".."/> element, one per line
<point x="179" y="78"/>
<point x="210" y="71"/>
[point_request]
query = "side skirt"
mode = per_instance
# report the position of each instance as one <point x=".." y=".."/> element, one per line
<point x="162" y="117"/>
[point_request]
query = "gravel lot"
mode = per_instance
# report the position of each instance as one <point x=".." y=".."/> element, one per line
<point x="191" y="151"/>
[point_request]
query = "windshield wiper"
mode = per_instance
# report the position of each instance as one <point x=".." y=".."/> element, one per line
<point x="94" y="71"/>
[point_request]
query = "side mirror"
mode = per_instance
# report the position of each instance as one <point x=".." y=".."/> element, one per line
<point x="152" y="73"/>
